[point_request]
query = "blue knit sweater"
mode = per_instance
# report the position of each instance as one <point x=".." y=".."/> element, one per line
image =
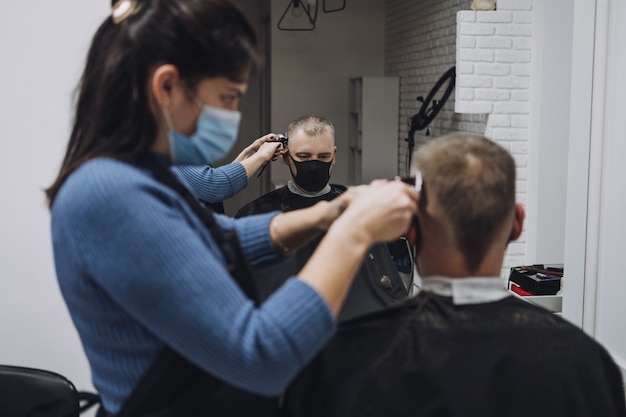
<point x="138" y="271"/>
<point x="213" y="185"/>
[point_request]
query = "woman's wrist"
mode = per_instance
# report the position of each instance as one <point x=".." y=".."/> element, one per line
<point x="290" y="231"/>
<point x="252" y="164"/>
<point x="275" y="235"/>
<point x="346" y="230"/>
<point x="324" y="213"/>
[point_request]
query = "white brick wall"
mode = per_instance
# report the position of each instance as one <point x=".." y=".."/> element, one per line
<point x="492" y="53"/>
<point x="420" y="45"/>
<point x="497" y="45"/>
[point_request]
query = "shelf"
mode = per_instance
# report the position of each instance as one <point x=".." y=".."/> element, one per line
<point x="372" y="128"/>
<point x="554" y="303"/>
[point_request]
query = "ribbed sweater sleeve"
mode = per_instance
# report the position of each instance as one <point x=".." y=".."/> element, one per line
<point x="138" y="271"/>
<point x="213" y="185"/>
<point x="254" y="238"/>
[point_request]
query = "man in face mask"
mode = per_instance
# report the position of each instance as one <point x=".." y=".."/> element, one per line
<point x="310" y="155"/>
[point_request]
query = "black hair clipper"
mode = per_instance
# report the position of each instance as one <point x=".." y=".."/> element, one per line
<point x="277" y="138"/>
<point x="419" y="186"/>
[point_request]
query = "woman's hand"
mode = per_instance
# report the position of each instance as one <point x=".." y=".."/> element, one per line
<point x="292" y="230"/>
<point x="259" y="153"/>
<point x="380" y="212"/>
<point x="268" y="143"/>
<point x="331" y="210"/>
<point x="269" y="150"/>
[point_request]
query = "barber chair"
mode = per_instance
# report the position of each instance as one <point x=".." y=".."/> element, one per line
<point x="28" y="392"/>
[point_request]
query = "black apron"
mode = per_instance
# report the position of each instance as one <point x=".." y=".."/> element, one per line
<point x="174" y="387"/>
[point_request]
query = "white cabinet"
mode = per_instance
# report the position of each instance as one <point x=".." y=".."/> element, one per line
<point x="373" y="129"/>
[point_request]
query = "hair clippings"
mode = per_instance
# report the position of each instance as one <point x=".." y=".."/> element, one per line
<point x="122" y="9"/>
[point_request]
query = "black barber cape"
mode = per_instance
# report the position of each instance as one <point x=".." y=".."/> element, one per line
<point x="430" y="358"/>
<point x="376" y="286"/>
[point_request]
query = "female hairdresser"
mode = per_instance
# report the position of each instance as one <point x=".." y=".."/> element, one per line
<point x="158" y="287"/>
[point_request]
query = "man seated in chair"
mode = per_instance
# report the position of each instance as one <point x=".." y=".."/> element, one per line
<point x="464" y="346"/>
<point x="310" y="156"/>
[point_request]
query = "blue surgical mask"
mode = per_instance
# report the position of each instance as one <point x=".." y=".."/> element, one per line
<point x="214" y="137"/>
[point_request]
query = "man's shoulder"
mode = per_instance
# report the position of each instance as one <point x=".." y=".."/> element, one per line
<point x="272" y="194"/>
<point x="337" y="188"/>
<point x="273" y="200"/>
<point x="262" y="204"/>
<point x="526" y="314"/>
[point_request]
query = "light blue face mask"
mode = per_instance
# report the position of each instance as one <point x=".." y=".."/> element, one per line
<point x="213" y="139"/>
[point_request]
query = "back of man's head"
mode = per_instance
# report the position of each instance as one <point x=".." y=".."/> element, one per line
<point x="469" y="189"/>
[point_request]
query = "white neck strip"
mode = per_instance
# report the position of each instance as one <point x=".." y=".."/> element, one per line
<point x="473" y="290"/>
<point x="295" y="190"/>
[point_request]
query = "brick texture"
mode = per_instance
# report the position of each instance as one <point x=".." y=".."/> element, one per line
<point x="492" y="53"/>
<point x="506" y="33"/>
<point x="420" y="45"/>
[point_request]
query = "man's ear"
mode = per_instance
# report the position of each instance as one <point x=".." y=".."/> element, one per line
<point x="334" y="155"/>
<point x="164" y="81"/>
<point x="518" y="222"/>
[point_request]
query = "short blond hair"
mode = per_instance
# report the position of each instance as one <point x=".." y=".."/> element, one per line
<point x="473" y="180"/>
<point x="311" y="125"/>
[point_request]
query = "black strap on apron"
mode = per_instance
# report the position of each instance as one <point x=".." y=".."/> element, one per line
<point x="226" y="240"/>
<point x="174" y="387"/>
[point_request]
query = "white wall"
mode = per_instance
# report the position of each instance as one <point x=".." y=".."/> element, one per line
<point x="594" y="298"/>
<point x="42" y="45"/>
<point x="549" y="130"/>
<point x="611" y="286"/>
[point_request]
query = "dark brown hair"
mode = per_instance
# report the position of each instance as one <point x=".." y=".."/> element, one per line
<point x="113" y="117"/>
